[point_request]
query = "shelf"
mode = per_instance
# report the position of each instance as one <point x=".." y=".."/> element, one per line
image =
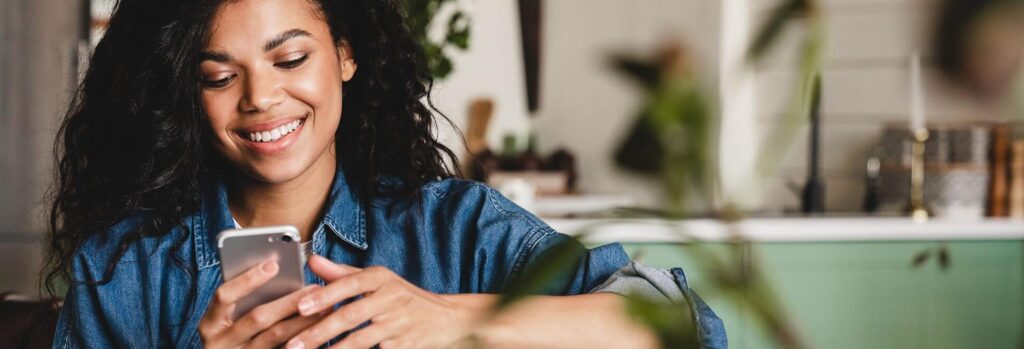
<point x="805" y="229"/>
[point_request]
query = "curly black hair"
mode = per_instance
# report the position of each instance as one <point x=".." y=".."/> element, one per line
<point x="135" y="141"/>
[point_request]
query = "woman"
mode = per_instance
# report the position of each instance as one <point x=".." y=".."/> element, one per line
<point x="200" y="116"/>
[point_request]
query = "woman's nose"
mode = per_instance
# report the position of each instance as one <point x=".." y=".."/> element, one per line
<point x="262" y="92"/>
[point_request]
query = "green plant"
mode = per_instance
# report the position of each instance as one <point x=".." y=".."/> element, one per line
<point x="421" y="15"/>
<point x="671" y="139"/>
<point x="671" y="135"/>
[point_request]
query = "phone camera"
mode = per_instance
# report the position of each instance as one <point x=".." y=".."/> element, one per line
<point x="286" y="238"/>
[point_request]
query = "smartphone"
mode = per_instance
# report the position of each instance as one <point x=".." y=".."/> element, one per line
<point x="242" y="249"/>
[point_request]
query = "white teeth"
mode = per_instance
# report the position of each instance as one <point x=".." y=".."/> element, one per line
<point x="275" y="134"/>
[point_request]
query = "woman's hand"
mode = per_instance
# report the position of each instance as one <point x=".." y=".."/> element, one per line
<point x="265" y="326"/>
<point x="402" y="315"/>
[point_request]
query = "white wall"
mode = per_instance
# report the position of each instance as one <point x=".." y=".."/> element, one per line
<point x="584" y="105"/>
<point x="865" y="86"/>
<point x="491" y="68"/>
<point x="587" y="107"/>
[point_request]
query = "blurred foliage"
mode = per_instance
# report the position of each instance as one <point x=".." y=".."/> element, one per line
<point x="809" y="64"/>
<point x="674" y="324"/>
<point x="671" y="136"/>
<point x="772" y="29"/>
<point x="673" y="139"/>
<point x="554" y="265"/>
<point x="421" y="15"/>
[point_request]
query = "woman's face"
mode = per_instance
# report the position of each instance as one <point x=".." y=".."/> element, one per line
<point x="271" y="77"/>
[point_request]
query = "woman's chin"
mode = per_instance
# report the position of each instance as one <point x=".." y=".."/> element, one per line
<point x="276" y="173"/>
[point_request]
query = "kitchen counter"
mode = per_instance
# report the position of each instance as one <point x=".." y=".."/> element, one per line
<point x="803" y="229"/>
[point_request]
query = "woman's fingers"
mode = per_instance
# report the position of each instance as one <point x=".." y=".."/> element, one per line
<point x="276" y="335"/>
<point x="345" y="287"/>
<point x="350" y="316"/>
<point x="265" y="316"/>
<point x="218" y="314"/>
<point x="371" y="335"/>
<point x="329" y="271"/>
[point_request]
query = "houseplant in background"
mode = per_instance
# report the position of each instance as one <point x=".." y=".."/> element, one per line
<point x="437" y="38"/>
<point x="672" y="139"/>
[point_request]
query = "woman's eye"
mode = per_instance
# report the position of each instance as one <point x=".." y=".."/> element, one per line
<point x="292" y="63"/>
<point x="218" y="83"/>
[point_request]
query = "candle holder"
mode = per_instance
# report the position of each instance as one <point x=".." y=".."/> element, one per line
<point x="917" y="207"/>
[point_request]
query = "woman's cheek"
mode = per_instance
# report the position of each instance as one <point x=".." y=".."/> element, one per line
<point x="219" y="115"/>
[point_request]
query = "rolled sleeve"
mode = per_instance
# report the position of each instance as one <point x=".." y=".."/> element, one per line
<point x="667" y="286"/>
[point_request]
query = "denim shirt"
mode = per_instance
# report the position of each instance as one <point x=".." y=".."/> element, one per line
<point x="455" y="236"/>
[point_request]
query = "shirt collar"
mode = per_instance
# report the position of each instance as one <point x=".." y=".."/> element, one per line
<point x="344" y="216"/>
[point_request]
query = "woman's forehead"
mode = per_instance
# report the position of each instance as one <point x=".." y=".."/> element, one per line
<point x="249" y="24"/>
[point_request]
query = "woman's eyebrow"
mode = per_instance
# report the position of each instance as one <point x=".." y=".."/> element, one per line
<point x="279" y="39"/>
<point x="274" y="42"/>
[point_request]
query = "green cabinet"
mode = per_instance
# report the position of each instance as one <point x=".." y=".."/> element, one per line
<point x="867" y="294"/>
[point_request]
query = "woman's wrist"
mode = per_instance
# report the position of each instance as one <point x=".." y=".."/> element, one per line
<point x="476" y="326"/>
<point x="548" y="321"/>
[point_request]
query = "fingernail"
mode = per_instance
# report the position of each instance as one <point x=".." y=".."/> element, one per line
<point x="305" y="306"/>
<point x="269" y="267"/>
<point x="296" y="344"/>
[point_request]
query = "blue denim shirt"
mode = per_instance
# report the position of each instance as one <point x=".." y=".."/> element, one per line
<point x="456" y="236"/>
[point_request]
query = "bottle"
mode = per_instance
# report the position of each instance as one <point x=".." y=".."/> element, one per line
<point x="871" y="187"/>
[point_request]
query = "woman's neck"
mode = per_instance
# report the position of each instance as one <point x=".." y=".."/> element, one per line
<point x="299" y="202"/>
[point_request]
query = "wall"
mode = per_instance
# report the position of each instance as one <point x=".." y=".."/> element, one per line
<point x="36" y="68"/>
<point x="587" y="107"/>
<point x="584" y="105"/>
<point x="865" y="87"/>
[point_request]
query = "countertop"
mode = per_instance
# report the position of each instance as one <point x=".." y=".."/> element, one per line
<point x="802" y="229"/>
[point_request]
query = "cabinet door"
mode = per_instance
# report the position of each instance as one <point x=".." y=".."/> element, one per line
<point x="867" y="295"/>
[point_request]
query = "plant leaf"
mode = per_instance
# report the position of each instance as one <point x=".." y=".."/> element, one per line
<point x="672" y="323"/>
<point x="772" y="29"/>
<point x="554" y="264"/>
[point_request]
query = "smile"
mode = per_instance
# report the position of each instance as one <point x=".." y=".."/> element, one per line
<point x="276" y="133"/>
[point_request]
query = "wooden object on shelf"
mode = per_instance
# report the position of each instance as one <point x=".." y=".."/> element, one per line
<point x="480" y="112"/>
<point x="998" y="184"/>
<point x="1017" y="179"/>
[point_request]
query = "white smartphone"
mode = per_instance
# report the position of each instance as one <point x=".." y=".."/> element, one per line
<point x="242" y="249"/>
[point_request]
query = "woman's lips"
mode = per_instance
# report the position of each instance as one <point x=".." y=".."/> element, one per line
<point x="272" y="137"/>
<point x="273" y="134"/>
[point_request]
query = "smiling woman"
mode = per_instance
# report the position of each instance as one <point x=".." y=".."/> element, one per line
<point x="199" y="116"/>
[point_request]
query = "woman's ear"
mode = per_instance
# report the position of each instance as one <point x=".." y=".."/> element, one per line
<point x="346" y="61"/>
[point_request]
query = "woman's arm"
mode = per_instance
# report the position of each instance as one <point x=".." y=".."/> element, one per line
<point x="401" y="315"/>
<point x="583" y="321"/>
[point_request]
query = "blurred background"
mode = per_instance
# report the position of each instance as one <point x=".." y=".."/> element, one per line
<point x="797" y="116"/>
